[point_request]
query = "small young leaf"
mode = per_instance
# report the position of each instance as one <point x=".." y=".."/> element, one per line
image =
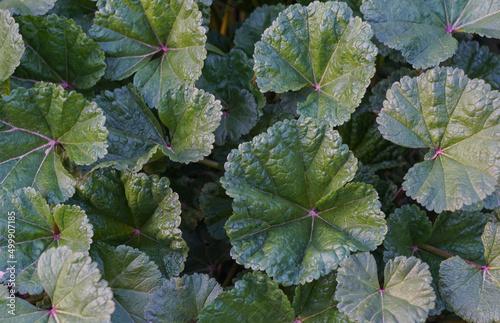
<point x="252" y="28"/>
<point x="294" y="216"/>
<point x="12" y="45"/>
<point x="422" y="30"/>
<point x="458" y="119"/>
<point x="406" y="295"/>
<point x="134" y="33"/>
<point x="320" y="46"/>
<point x="58" y="51"/>
<point x="314" y="302"/>
<point x="182" y="299"/>
<point x="255" y="298"/>
<point x="138" y="211"/>
<point x="477" y="62"/>
<point x="37" y="128"/>
<point x="217" y="208"/>
<point x="473" y="292"/>
<point x="131" y="276"/>
<point x="38" y="228"/>
<point x="27" y="7"/>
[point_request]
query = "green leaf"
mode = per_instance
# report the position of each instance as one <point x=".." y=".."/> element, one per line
<point x="136" y="210"/>
<point x="422" y="30"/>
<point x="17" y="310"/>
<point x="58" y="51"/>
<point x="320" y="46"/>
<point x="27" y="7"/>
<point x="191" y="116"/>
<point x="458" y="119"/>
<point x="294" y="216"/>
<point x="161" y="42"/>
<point x="74" y="286"/>
<point x="473" y="291"/>
<point x="37" y="128"/>
<point x="217" y="208"/>
<point x="182" y="299"/>
<point x="380" y="89"/>
<point x="255" y="298"/>
<point x="12" y="45"/>
<point x="230" y="79"/>
<point x="81" y="11"/>
<point x="252" y="28"/>
<point x="37" y="228"/>
<point x="131" y="276"/>
<point x="477" y="62"/>
<point x="314" y="302"/>
<point x="406" y="295"/>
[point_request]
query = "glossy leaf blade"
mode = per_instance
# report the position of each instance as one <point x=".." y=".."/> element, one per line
<point x="320" y="46"/>
<point x="293" y="216"/>
<point x="34" y="124"/>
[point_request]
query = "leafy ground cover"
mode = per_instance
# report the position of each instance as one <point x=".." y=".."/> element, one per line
<point x="249" y="161"/>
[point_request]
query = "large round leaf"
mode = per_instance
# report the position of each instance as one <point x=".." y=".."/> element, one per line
<point x="458" y="119"/>
<point x="58" y="51"/>
<point x="320" y="46"/>
<point x="294" y="217"/>
<point x="405" y="296"/>
<point x="37" y="128"/>
<point x="473" y="291"/>
<point x="136" y="210"/>
<point x="37" y="228"/>
<point x="27" y="7"/>
<point x="161" y="41"/>
<point x="422" y="30"/>
<point x="12" y="45"/>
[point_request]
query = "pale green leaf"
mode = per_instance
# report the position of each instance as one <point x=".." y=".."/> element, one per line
<point x="27" y="7"/>
<point x="38" y="127"/>
<point x="12" y="45"/>
<point x="473" y="291"/>
<point x="458" y="120"/>
<point x="136" y="210"/>
<point x="37" y="228"/>
<point x="254" y="299"/>
<point x="161" y="42"/>
<point x="320" y="46"/>
<point x="422" y="30"/>
<point x="182" y="299"/>
<point x="131" y="277"/>
<point x="294" y="216"/>
<point x="405" y="296"/>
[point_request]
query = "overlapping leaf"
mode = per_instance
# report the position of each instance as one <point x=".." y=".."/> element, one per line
<point x="422" y="30"/>
<point x="320" y="46"/>
<point x="406" y="295"/>
<point x="12" y="45"/>
<point x="314" y="302"/>
<point x="217" y="208"/>
<point x="182" y="299"/>
<point x="191" y="116"/>
<point x="136" y="210"/>
<point x="252" y="28"/>
<point x="473" y="291"/>
<point x="294" y="216"/>
<point x="36" y="228"/>
<point x="37" y="128"/>
<point x="255" y="298"/>
<point x="132" y="279"/>
<point x="230" y="79"/>
<point x="81" y="11"/>
<point x="27" y="7"/>
<point x="477" y="62"/>
<point x="58" y="51"/>
<point x="161" y="42"/>
<point x="75" y="289"/>
<point x="458" y="119"/>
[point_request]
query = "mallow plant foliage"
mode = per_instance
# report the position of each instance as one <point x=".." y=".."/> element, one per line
<point x="255" y="161"/>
